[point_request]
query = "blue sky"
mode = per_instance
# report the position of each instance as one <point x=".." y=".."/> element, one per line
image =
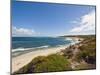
<point x="45" y="19"/>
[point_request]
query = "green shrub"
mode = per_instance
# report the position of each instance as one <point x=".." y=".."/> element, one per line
<point x="49" y="63"/>
<point x="53" y="63"/>
<point x="88" y="52"/>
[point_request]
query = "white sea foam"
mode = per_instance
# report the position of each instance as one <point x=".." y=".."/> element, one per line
<point x="68" y="39"/>
<point x="24" y="49"/>
<point x="18" y="49"/>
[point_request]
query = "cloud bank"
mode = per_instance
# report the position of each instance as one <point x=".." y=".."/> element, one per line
<point x="22" y="32"/>
<point x="86" y="24"/>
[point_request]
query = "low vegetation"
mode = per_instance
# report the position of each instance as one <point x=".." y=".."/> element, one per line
<point x="83" y="53"/>
<point x="50" y="63"/>
<point x="88" y="51"/>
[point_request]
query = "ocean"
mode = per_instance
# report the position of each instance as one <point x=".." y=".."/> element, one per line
<point x="22" y="45"/>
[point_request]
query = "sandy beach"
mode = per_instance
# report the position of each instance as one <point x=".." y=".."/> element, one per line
<point x="20" y="61"/>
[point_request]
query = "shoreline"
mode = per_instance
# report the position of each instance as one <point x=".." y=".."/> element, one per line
<point x="18" y="62"/>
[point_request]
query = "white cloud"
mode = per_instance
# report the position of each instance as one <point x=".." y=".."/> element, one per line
<point x="86" y="24"/>
<point x="22" y="32"/>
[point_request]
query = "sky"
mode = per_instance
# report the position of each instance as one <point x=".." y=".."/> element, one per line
<point x="50" y="19"/>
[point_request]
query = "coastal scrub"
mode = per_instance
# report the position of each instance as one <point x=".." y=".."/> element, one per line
<point x="50" y="63"/>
